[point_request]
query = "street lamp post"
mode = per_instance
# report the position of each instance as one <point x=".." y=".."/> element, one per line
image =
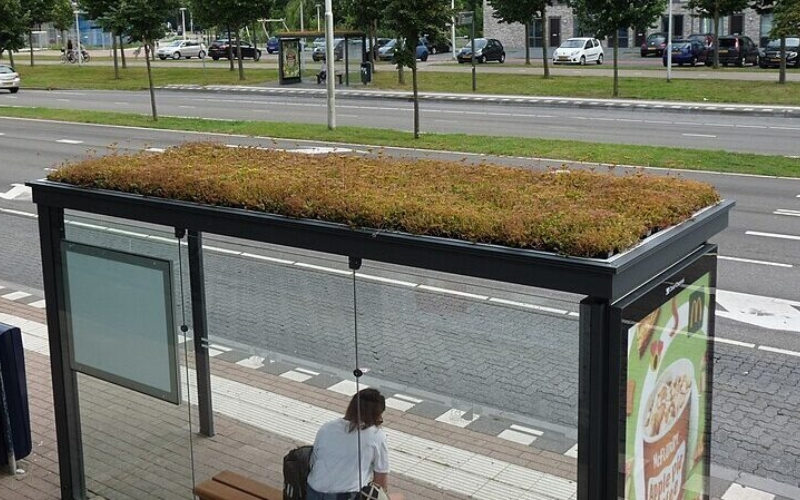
<point x="183" y="22"/>
<point x="78" y="35"/>
<point x="668" y="48"/>
<point x="330" y="68"/>
<point x="318" y="6"/>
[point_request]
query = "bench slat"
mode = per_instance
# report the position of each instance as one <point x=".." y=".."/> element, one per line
<point x="213" y="490"/>
<point x="250" y="486"/>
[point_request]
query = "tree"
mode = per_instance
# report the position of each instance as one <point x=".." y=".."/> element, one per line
<point x="606" y="17"/>
<point x="13" y="25"/>
<point x="107" y="16"/>
<point x="786" y="22"/>
<point x="716" y="9"/>
<point x="145" y="24"/>
<point x="232" y="15"/>
<point x="524" y="11"/>
<point x="366" y="14"/>
<point x="62" y="17"/>
<point x="409" y="19"/>
<point x="38" y="12"/>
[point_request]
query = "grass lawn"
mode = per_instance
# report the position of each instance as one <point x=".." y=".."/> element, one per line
<point x="73" y="76"/>
<point x="727" y="91"/>
<point x="614" y="154"/>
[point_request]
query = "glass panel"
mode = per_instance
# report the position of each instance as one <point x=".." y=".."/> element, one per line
<point x="481" y="380"/>
<point x="136" y="447"/>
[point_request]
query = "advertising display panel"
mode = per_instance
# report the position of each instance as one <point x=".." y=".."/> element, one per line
<point x="667" y="335"/>
<point x="289" y="62"/>
<point x="120" y="319"/>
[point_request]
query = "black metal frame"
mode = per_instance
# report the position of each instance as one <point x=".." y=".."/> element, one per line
<point x="603" y="281"/>
<point x="347" y="35"/>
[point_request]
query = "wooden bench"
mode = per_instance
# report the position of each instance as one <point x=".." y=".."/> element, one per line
<point x="338" y="74"/>
<point x="229" y="485"/>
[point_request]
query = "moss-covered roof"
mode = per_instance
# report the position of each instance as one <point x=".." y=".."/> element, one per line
<point x="573" y="213"/>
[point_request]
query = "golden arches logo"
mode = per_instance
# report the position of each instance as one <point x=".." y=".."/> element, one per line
<point x="697" y="308"/>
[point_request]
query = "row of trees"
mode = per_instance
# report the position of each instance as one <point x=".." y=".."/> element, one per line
<point x="606" y="17"/>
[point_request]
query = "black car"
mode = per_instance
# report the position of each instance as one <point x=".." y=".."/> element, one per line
<point x="735" y="49"/>
<point x="654" y="45"/>
<point x="771" y="56"/>
<point x="436" y="44"/>
<point x="486" y="49"/>
<point x="219" y="49"/>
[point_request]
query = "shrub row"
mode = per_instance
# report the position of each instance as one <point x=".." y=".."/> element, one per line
<point x="574" y="213"/>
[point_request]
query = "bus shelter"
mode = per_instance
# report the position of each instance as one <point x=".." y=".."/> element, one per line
<point x="644" y="325"/>
<point x="291" y="55"/>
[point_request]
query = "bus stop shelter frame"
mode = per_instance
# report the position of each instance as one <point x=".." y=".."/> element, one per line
<point x="346" y="35"/>
<point x="602" y="281"/>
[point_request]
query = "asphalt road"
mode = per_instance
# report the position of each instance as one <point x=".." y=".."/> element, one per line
<point x="738" y="133"/>
<point x="453" y="346"/>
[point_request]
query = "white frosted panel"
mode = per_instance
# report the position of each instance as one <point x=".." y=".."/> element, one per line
<point x="120" y="318"/>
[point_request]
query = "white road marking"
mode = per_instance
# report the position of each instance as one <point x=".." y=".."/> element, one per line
<point x="773" y="235"/>
<point x="734" y="342"/>
<point x="39" y="304"/>
<point x="18" y="212"/>
<point x="752" y="261"/>
<point x="2" y="134"/>
<point x="764" y="312"/>
<point x="779" y="351"/>
<point x="296" y="376"/>
<point x="452" y="292"/>
<point x="739" y="492"/>
<point x="15" y="295"/>
<point x="155" y="150"/>
<point x="784" y="211"/>
<point x="69" y="141"/>
<point x="457" y="418"/>
<point x="17" y="191"/>
<point x="700" y="135"/>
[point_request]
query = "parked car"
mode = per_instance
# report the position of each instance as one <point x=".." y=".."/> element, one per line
<point x="436" y="44"/>
<point x="338" y="50"/>
<point x="386" y="53"/>
<point x="771" y="55"/>
<point x="707" y="39"/>
<point x="9" y="79"/>
<point x="688" y="52"/>
<point x="272" y="45"/>
<point x="380" y="42"/>
<point x="654" y="44"/>
<point x="579" y="51"/>
<point x="486" y="49"/>
<point x="219" y="49"/>
<point x="177" y="49"/>
<point x="735" y="49"/>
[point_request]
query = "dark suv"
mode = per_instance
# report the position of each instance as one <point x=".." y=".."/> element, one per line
<point x="771" y="56"/>
<point x="219" y="49"/>
<point x="654" y="45"/>
<point x="735" y="49"/>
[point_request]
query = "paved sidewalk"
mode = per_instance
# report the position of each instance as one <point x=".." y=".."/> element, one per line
<point x="358" y="91"/>
<point x="139" y="448"/>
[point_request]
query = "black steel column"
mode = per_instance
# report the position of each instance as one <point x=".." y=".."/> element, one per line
<point x="597" y="453"/>
<point x="65" y="383"/>
<point x="200" y="327"/>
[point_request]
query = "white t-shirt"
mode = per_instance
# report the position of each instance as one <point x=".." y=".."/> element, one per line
<point x="334" y="461"/>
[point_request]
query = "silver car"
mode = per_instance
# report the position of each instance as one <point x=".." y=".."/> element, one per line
<point x="9" y="79"/>
<point x="182" y="48"/>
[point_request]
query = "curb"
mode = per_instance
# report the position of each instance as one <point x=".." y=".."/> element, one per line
<point x="629" y="105"/>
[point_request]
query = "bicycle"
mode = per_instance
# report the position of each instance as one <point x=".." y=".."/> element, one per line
<point x="71" y="56"/>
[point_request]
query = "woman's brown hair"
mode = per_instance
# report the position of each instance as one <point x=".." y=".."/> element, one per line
<point x="373" y="404"/>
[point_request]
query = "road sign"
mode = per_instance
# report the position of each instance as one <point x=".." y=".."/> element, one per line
<point x="465" y="18"/>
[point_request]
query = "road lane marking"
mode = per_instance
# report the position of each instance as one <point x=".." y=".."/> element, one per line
<point x="773" y="235"/>
<point x="69" y="141"/>
<point x="155" y="150"/>
<point x="700" y="135"/>
<point x="17" y="191"/>
<point x="785" y="211"/>
<point x="752" y="261"/>
<point x="779" y="351"/>
<point x="734" y="342"/>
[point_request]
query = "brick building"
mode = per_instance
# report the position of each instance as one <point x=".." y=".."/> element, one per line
<point x="562" y="24"/>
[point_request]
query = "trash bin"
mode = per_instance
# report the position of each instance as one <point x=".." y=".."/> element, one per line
<point x="366" y="72"/>
<point x="12" y="369"/>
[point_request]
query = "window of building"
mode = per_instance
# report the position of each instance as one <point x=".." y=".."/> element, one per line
<point x="736" y="25"/>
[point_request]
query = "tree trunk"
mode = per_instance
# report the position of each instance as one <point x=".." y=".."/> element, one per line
<point x="150" y="80"/>
<point x="545" y="44"/>
<point x="239" y="55"/>
<point x="373" y="52"/>
<point x="122" y="53"/>
<point x="527" y="44"/>
<point x="716" y="40"/>
<point x="616" y="63"/>
<point x="116" y="59"/>
<point x="230" y="49"/>
<point x="416" y="95"/>
<point x="11" y="57"/>
<point x="782" y="72"/>
<point x="30" y="43"/>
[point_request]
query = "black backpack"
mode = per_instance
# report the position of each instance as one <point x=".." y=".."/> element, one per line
<point x="296" y="466"/>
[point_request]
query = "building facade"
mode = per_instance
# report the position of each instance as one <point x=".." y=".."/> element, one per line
<point x="562" y="24"/>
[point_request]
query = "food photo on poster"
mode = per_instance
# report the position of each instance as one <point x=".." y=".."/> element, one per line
<point x="666" y="411"/>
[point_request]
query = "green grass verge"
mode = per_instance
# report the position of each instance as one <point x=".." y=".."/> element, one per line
<point x="73" y="76"/>
<point x="600" y="87"/>
<point x="615" y="154"/>
<point x="595" y="87"/>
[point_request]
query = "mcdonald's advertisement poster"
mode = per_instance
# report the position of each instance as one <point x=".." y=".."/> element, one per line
<point x="666" y="403"/>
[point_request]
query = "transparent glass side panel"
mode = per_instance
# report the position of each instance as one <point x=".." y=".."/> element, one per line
<point x="135" y="446"/>
<point x="481" y="381"/>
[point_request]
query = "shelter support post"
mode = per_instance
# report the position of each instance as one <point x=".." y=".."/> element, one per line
<point x="597" y="403"/>
<point x="65" y="382"/>
<point x="200" y="327"/>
